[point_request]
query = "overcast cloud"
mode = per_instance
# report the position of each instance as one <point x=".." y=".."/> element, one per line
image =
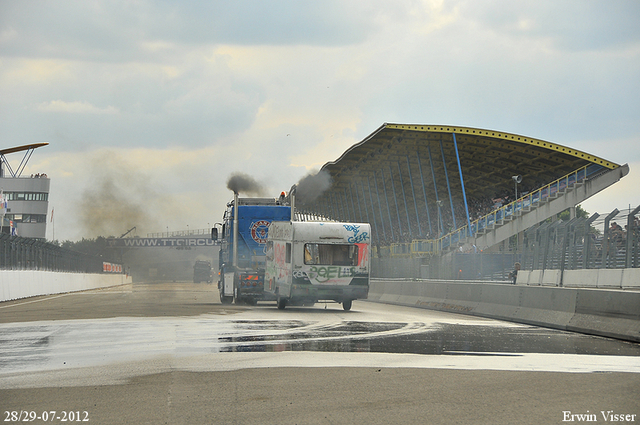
<point x="177" y="96"/>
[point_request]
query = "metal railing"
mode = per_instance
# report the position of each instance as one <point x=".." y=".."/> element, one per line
<point x="523" y="204"/>
<point x="180" y="233"/>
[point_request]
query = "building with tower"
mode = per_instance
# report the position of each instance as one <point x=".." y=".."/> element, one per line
<point x="25" y="199"/>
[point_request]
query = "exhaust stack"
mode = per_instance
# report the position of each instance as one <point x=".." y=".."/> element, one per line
<point x="235" y="229"/>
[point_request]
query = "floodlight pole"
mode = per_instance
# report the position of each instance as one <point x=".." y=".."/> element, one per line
<point x="440" y="230"/>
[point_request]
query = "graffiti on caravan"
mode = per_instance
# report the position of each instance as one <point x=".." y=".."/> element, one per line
<point x="160" y="242"/>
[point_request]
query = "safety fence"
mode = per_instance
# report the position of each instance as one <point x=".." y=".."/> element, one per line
<point x="499" y="216"/>
<point x="611" y="242"/>
<point x="17" y="253"/>
<point x="522" y="205"/>
<point x="584" y="243"/>
<point x="462" y="266"/>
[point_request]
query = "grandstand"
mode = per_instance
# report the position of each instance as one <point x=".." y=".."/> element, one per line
<point x="432" y="189"/>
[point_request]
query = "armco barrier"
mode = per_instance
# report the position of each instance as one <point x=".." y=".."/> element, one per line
<point x="16" y="284"/>
<point x="604" y="312"/>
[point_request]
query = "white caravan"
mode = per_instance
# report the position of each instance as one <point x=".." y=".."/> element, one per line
<point x="314" y="261"/>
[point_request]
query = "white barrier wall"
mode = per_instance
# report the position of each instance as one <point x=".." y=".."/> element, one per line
<point x="606" y="312"/>
<point x="588" y="278"/>
<point x="15" y="284"/>
<point x="631" y="278"/>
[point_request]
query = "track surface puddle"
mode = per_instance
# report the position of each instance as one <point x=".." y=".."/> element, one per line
<point x="76" y="343"/>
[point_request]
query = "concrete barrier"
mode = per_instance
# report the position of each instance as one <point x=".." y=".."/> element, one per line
<point x="376" y="289"/>
<point x="523" y="277"/>
<point x="611" y="313"/>
<point x="631" y="278"/>
<point x="550" y="278"/>
<point x="499" y="301"/>
<point x="390" y="294"/>
<point x="610" y="278"/>
<point x="589" y="278"/>
<point x="16" y="284"/>
<point x="608" y="313"/>
<point x="535" y="277"/>
<point x="580" y="279"/>
<point x="409" y="293"/>
<point x="549" y="307"/>
<point x="462" y="298"/>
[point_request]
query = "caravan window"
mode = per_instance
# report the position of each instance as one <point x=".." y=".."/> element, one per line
<point x="331" y="254"/>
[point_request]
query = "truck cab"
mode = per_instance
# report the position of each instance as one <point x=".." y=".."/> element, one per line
<point x="202" y="271"/>
<point x="243" y="282"/>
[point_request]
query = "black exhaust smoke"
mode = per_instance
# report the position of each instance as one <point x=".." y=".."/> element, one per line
<point x="311" y="186"/>
<point x="243" y="183"/>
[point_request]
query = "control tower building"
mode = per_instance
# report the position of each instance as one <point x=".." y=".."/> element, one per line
<point x="24" y="200"/>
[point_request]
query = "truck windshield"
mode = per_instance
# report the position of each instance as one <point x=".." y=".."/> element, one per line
<point x="331" y="254"/>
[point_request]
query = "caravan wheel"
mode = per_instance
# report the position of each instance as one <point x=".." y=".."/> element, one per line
<point x="282" y="303"/>
<point x="346" y="304"/>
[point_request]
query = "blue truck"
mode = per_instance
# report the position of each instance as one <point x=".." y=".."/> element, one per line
<point x="242" y="264"/>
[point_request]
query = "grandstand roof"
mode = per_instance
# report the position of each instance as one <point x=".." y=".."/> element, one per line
<point x="391" y="171"/>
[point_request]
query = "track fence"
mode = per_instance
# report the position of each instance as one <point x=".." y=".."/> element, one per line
<point x="17" y="253"/>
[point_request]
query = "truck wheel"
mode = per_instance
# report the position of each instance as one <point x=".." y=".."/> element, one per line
<point x="346" y="304"/>
<point x="282" y="303"/>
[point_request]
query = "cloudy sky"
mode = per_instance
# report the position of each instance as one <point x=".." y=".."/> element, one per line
<point x="149" y="106"/>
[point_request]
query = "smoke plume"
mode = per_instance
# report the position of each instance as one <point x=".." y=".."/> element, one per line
<point x="117" y="198"/>
<point x="243" y="183"/>
<point x="311" y="186"/>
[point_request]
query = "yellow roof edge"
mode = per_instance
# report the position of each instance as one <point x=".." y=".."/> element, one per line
<point x="504" y="136"/>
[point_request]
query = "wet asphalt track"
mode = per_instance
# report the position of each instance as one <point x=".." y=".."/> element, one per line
<point x="171" y="353"/>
